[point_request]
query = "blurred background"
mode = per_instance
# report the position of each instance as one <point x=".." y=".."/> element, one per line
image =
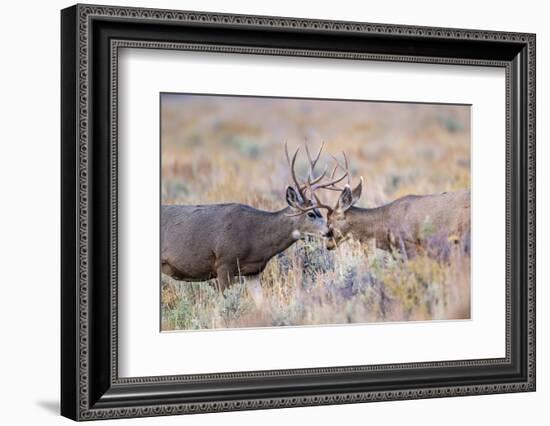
<point x="231" y="149"/>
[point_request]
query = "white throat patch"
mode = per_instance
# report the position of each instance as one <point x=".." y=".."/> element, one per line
<point x="296" y="234"/>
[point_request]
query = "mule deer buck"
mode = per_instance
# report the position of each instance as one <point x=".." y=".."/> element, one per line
<point x="404" y="223"/>
<point x="202" y="242"/>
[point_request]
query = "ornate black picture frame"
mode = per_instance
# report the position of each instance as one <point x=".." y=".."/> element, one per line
<point x="91" y="36"/>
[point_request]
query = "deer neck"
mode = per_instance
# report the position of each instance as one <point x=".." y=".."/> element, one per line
<point x="365" y="224"/>
<point x="279" y="231"/>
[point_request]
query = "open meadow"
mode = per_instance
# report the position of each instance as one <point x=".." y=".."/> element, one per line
<point x="220" y="149"/>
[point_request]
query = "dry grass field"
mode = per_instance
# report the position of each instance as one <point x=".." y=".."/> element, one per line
<point x="219" y="149"/>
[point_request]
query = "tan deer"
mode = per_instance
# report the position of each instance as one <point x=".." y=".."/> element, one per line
<point x="408" y="224"/>
<point x="201" y="242"/>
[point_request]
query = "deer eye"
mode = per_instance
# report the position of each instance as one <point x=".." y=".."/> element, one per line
<point x="311" y="215"/>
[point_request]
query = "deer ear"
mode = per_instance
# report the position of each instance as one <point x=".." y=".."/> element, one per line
<point x="348" y="197"/>
<point x="292" y="197"/>
<point x="345" y="201"/>
<point x="356" y="193"/>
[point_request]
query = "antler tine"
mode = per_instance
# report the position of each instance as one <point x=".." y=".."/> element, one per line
<point x="292" y="163"/>
<point x="334" y="170"/>
<point x="347" y="167"/>
<point x="286" y="153"/>
<point x="313" y="162"/>
<point x="310" y="173"/>
<point x="319" y="153"/>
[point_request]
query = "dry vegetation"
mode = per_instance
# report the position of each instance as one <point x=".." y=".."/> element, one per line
<point x="218" y="149"/>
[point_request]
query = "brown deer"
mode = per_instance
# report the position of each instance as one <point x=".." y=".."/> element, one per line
<point x="201" y="242"/>
<point x="409" y="223"/>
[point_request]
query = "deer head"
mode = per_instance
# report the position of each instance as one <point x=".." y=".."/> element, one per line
<point x="338" y="225"/>
<point x="301" y="198"/>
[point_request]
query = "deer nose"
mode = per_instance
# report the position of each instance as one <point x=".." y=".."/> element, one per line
<point x="328" y="233"/>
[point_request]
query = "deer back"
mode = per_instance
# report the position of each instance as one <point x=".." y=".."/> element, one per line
<point x="413" y="218"/>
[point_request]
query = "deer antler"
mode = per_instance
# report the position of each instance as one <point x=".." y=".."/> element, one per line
<point x="303" y="210"/>
<point x="311" y="182"/>
<point x="331" y="184"/>
<point x="313" y="163"/>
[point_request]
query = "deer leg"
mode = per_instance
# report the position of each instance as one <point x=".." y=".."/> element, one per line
<point x="224" y="277"/>
<point x="255" y="290"/>
<point x="405" y="250"/>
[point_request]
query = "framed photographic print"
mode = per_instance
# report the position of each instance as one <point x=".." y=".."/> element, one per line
<point x="263" y="212"/>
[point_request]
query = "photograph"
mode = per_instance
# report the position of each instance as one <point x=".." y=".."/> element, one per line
<point x="282" y="212"/>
